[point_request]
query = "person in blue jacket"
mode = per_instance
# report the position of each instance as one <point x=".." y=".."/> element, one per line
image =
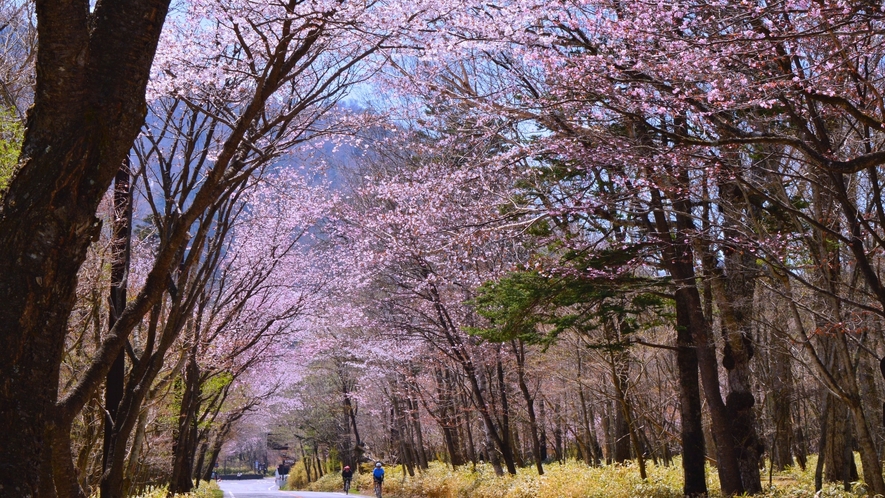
<point x="378" y="476"/>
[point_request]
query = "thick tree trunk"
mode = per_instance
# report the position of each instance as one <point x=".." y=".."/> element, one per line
<point x="693" y="451"/>
<point x="137" y="389"/>
<point x="734" y="290"/>
<point x="67" y="482"/>
<point x="47" y="486"/>
<point x="679" y="261"/>
<point x="726" y="458"/>
<point x="218" y="442"/>
<point x="675" y="230"/>
<point x="838" y="465"/>
<point x="201" y="461"/>
<point x="351" y="417"/>
<point x="305" y="460"/>
<point x="89" y="105"/>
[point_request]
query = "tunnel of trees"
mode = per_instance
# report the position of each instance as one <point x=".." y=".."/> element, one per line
<point x="456" y="231"/>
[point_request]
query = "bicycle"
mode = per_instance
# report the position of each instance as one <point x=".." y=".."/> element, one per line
<point x="347" y="486"/>
<point x="377" y="489"/>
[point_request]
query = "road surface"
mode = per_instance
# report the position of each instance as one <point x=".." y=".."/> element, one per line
<point x="267" y="488"/>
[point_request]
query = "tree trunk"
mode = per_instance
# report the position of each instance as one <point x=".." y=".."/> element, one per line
<point x="201" y="460"/>
<point x="693" y="452"/>
<point x="734" y="296"/>
<point x="557" y="432"/>
<point x="134" y="455"/>
<point x="215" y="449"/>
<point x="305" y="460"/>
<point x="506" y="444"/>
<point x="121" y="251"/>
<point x="47" y="486"/>
<point x="89" y="105"/>
<point x="733" y="287"/>
<point x="837" y="434"/>
<point x="781" y="400"/>
<point x="619" y="372"/>
<point x="621" y="426"/>
<point x="67" y="482"/>
<point x="679" y="261"/>
<point x="589" y="443"/>
<point x="447" y="417"/>
<point x="351" y="416"/>
<point x="543" y="425"/>
<point x="460" y="353"/>
<point x="519" y="353"/>
<point x="418" y="432"/>
<point x="471" y="445"/>
<point x="316" y="453"/>
<point x="184" y="438"/>
<point x="136" y="391"/>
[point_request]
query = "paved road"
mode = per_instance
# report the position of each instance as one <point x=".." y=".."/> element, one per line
<point x="267" y="488"/>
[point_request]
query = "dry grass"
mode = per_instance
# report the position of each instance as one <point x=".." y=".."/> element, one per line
<point x="206" y="490"/>
<point x="570" y="480"/>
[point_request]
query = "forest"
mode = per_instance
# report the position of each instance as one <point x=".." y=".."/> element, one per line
<point x="453" y="236"/>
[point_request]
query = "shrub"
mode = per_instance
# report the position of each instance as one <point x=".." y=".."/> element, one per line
<point x="297" y="477"/>
<point x="571" y="479"/>
<point x="207" y="489"/>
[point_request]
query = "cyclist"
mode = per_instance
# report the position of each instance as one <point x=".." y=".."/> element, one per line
<point x="346" y="475"/>
<point x="378" y="476"/>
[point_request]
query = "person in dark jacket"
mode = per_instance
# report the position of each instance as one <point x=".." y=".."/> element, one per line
<point x="346" y="476"/>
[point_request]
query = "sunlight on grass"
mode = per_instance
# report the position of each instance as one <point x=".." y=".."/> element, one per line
<point x="573" y="480"/>
<point x="206" y="490"/>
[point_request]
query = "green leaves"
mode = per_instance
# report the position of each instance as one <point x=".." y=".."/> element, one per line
<point x="602" y="295"/>
<point x="11" y="134"/>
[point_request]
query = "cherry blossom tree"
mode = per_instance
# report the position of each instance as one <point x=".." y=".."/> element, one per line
<point x="284" y="74"/>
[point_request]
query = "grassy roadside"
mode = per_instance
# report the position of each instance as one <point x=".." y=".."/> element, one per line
<point x="206" y="490"/>
<point x="571" y="480"/>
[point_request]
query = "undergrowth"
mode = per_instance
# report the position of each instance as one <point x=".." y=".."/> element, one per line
<point x="206" y="490"/>
<point x="570" y="480"/>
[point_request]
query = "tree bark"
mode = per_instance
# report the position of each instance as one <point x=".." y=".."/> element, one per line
<point x="621" y="426"/>
<point x="519" y="353"/>
<point x="679" y="262"/>
<point x="733" y="289"/>
<point x="92" y="70"/>
<point x="417" y="430"/>
<point x="121" y="250"/>
<point x="618" y="370"/>
<point x="185" y="435"/>
<point x="782" y="397"/>
<point x="693" y="452"/>
<point x="459" y="353"/>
